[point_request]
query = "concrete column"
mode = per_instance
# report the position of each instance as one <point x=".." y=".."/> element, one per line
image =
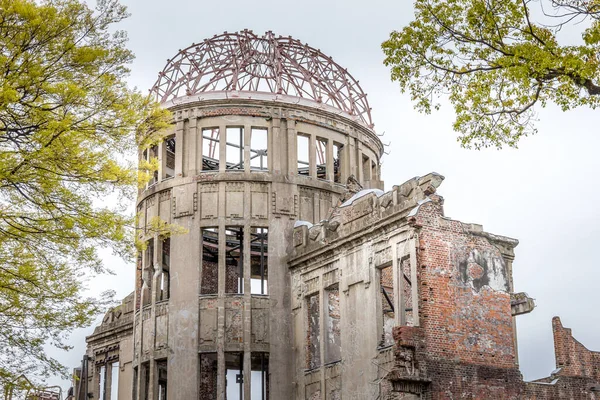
<point x="162" y="159"/>
<point x="192" y="139"/>
<point x="292" y="147"/>
<point x="312" y="156"/>
<point x="179" y="133"/>
<point x="351" y="152"/>
<point x="329" y="155"/>
<point x="280" y="245"/>
<point x="276" y="148"/>
<point x="184" y="312"/>
<point x="222" y="148"/>
<point x="246" y="144"/>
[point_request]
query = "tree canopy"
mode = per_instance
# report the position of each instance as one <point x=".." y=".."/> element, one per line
<point x="68" y="130"/>
<point x="496" y="60"/>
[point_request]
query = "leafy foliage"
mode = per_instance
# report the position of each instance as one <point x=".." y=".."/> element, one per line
<point x="495" y="62"/>
<point x="68" y="126"/>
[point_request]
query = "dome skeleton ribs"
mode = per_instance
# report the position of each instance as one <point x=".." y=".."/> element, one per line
<point x="243" y="61"/>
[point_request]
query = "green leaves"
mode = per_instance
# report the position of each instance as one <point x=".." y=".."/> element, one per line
<point x="68" y="123"/>
<point x="494" y="64"/>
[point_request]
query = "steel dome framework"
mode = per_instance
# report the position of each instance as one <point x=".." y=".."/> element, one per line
<point x="244" y="61"/>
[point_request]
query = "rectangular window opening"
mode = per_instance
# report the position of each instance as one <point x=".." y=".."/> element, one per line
<point x="114" y="381"/>
<point x="102" y="383"/>
<point x="373" y="170"/>
<point x="259" y="380"/>
<point x="234" y="260"/>
<point x="321" y="158"/>
<point x="145" y="381"/>
<point x="333" y="347"/>
<point x="169" y="157"/>
<point x="234" y="376"/>
<point x="148" y="272"/>
<point x="407" y="291"/>
<point x="161" y="367"/>
<point x="258" y="149"/>
<point x="210" y="149"/>
<point x="366" y="166"/>
<point x="134" y="388"/>
<point x="386" y="287"/>
<point x="208" y="376"/>
<point x="259" y="256"/>
<point x="166" y="263"/>
<point x="314" y="330"/>
<point x="210" y="261"/>
<point x="337" y="167"/>
<point x="303" y="155"/>
<point x="138" y="280"/>
<point x="235" y="148"/>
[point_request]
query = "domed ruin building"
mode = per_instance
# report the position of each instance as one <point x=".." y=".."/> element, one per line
<point x="298" y="277"/>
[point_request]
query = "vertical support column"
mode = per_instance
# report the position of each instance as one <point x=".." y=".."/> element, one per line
<point x="221" y="386"/>
<point x="329" y="156"/>
<point x="192" y="168"/>
<point x="414" y="280"/>
<point x="246" y="144"/>
<point x="351" y="152"/>
<point x="280" y="327"/>
<point x="359" y="164"/>
<point x="162" y="159"/>
<point x="292" y="148"/>
<point x="222" y="149"/>
<point x="247" y="308"/>
<point x="179" y="133"/>
<point x="312" y="156"/>
<point x="322" y="333"/>
<point x="184" y="306"/>
<point x="276" y="148"/>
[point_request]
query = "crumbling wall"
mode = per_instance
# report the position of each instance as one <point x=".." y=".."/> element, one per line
<point x="465" y="303"/>
<point x="571" y="356"/>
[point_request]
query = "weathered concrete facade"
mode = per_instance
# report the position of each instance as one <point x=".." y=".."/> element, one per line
<point x="297" y="276"/>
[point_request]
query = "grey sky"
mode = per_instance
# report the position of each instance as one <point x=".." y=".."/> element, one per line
<point x="542" y="194"/>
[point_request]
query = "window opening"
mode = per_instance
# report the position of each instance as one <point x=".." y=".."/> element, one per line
<point x="366" y="164"/>
<point x="161" y="366"/>
<point x="210" y="149"/>
<point x="332" y="314"/>
<point x="135" y="383"/>
<point x="234" y="260"/>
<point x="102" y="383"/>
<point x="303" y="155"/>
<point x="208" y="376"/>
<point x="258" y="149"/>
<point x="114" y="381"/>
<point x="235" y="148"/>
<point x="321" y="158"/>
<point x="259" y="256"/>
<point x="145" y="380"/>
<point x="234" y="376"/>
<point x="166" y="263"/>
<point x="210" y="261"/>
<point x="386" y="284"/>
<point x="259" y="379"/>
<point x="337" y="168"/>
<point x="313" y="334"/>
<point x="138" y="280"/>
<point x="149" y="270"/>
<point x="407" y="292"/>
<point x="169" y="162"/>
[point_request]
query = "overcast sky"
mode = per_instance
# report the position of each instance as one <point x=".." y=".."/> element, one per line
<point x="543" y="194"/>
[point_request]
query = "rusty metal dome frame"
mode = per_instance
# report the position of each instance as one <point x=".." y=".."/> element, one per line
<point x="244" y="61"/>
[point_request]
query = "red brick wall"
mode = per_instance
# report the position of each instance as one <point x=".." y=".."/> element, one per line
<point x="465" y="314"/>
<point x="571" y="356"/>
